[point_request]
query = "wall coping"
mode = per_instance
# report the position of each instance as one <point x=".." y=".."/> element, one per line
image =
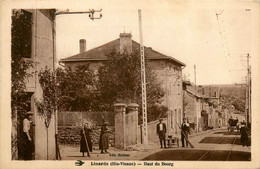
<point x="119" y="105"/>
<point x="132" y="105"/>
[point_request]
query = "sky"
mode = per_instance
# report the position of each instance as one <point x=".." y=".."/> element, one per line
<point x="189" y="32"/>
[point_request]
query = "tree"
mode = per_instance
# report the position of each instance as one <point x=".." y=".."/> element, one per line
<point x="119" y="80"/>
<point x="70" y="90"/>
<point x="20" y="49"/>
<point x="76" y="89"/>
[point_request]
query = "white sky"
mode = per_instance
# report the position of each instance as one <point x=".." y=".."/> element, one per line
<point x="186" y="31"/>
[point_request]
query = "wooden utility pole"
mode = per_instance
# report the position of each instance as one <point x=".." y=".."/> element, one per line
<point x="143" y="79"/>
<point x="195" y="93"/>
<point x="248" y="91"/>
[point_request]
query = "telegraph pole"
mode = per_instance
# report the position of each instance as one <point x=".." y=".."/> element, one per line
<point x="195" y="93"/>
<point x="248" y="91"/>
<point x="143" y="79"/>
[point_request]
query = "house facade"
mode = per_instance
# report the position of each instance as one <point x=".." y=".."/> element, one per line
<point x="41" y="54"/>
<point x="168" y="69"/>
<point x="200" y="111"/>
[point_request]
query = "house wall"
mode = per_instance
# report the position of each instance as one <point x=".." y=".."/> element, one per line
<point x="42" y="56"/>
<point x="169" y="74"/>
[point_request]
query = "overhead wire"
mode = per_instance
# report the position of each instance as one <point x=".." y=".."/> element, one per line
<point x="224" y="43"/>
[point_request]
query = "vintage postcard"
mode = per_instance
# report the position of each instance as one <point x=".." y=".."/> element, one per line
<point x="123" y="84"/>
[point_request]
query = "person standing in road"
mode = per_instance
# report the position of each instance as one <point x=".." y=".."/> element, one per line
<point x="28" y="136"/>
<point x="104" y="138"/>
<point x="244" y="134"/>
<point x="161" y="132"/>
<point x="85" y="140"/>
<point x="185" y="127"/>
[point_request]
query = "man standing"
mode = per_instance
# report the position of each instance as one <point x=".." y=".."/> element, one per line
<point x="28" y="135"/>
<point x="185" y="127"/>
<point x="161" y="132"/>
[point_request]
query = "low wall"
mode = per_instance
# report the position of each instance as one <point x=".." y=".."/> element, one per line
<point x="71" y="135"/>
<point x="152" y="135"/>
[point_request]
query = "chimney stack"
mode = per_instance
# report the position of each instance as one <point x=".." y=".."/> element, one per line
<point x="82" y="45"/>
<point x="125" y="42"/>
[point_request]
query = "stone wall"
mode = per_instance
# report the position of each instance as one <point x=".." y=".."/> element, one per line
<point x="70" y="135"/>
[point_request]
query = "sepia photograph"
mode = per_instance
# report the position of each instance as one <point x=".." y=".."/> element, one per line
<point x="131" y="84"/>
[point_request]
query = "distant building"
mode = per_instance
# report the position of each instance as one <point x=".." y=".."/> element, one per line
<point x="41" y="53"/>
<point x="199" y="110"/>
<point x="168" y="69"/>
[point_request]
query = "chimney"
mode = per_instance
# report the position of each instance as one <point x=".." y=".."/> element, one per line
<point x="82" y="45"/>
<point x="125" y="42"/>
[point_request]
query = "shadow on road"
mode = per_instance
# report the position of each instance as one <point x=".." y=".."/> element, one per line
<point x="227" y="133"/>
<point x="194" y="155"/>
<point x="219" y="140"/>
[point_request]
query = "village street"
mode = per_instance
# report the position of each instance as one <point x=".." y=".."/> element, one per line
<point x="212" y="145"/>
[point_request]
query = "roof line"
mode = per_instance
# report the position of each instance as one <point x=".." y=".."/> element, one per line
<point x="70" y="59"/>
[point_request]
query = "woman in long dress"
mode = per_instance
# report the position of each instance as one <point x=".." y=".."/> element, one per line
<point x="104" y="138"/>
<point x="83" y="143"/>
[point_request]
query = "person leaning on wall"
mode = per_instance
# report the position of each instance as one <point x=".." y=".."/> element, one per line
<point x="28" y="136"/>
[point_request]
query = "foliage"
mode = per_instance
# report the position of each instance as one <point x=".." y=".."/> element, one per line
<point x="72" y="90"/>
<point x="76" y="89"/>
<point x="47" y="105"/>
<point x="239" y="104"/>
<point x="120" y="81"/>
<point x="20" y="43"/>
<point x="156" y="111"/>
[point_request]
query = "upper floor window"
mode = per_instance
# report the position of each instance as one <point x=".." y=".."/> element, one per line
<point x="21" y="32"/>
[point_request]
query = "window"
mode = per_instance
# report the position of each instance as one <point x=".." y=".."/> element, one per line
<point x="21" y="33"/>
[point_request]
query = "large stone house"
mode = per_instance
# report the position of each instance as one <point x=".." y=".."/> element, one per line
<point x="168" y="69"/>
<point x="41" y="53"/>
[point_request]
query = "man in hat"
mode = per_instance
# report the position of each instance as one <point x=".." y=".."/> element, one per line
<point x="161" y="132"/>
<point x="185" y="127"/>
<point x="28" y="136"/>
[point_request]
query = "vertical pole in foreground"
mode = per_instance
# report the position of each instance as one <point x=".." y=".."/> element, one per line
<point x="143" y="79"/>
<point x="195" y="93"/>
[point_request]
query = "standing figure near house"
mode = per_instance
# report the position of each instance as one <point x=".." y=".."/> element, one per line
<point x="104" y="138"/>
<point x="85" y="140"/>
<point x="185" y="127"/>
<point x="28" y="136"/>
<point x="161" y="132"/>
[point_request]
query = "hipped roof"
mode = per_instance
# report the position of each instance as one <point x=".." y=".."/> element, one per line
<point x="99" y="53"/>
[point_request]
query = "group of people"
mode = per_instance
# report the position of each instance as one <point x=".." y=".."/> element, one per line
<point x="86" y="142"/>
<point x="185" y="130"/>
